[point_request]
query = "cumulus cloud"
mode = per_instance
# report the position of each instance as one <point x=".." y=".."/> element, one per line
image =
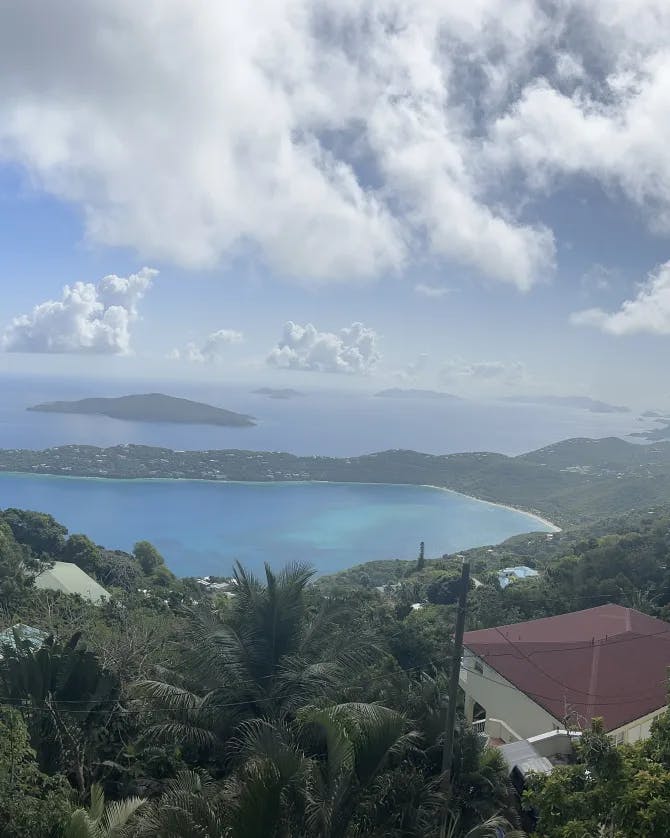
<point x="89" y="318"/>
<point x="432" y="291"/>
<point x="212" y="350"/>
<point x="351" y="350"/>
<point x="335" y="139"/>
<point x="648" y="311"/>
<point x="415" y="369"/>
<point x="484" y="372"/>
<point x="612" y="121"/>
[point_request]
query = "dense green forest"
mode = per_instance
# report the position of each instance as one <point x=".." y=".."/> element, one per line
<point x="293" y="708"/>
<point x="571" y="482"/>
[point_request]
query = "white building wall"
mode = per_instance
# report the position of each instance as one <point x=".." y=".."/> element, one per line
<point x="502" y="700"/>
<point x="637" y="729"/>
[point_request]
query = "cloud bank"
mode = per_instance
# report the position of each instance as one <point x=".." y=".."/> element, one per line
<point x="212" y="350"/>
<point x="337" y="140"/>
<point x="483" y="373"/>
<point x="89" y="318"/>
<point x="352" y="350"/>
<point x="648" y="311"/>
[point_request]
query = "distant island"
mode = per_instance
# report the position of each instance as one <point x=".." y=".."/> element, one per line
<point x="278" y="393"/>
<point x="581" y="402"/>
<point x="654" y="435"/>
<point x="570" y="482"/>
<point x="400" y="393"/>
<point x="151" y="407"/>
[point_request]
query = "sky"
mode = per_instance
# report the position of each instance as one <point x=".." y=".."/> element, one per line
<point x="471" y="197"/>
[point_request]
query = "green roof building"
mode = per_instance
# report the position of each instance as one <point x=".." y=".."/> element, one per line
<point x="71" y="579"/>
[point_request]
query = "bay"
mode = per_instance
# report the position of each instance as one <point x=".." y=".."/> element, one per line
<point x="203" y="527"/>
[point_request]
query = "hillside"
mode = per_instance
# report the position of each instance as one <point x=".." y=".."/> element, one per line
<point x="150" y="407"/>
<point x="571" y="482"/>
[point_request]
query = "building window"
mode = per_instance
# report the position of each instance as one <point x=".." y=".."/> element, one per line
<point x="479" y="667"/>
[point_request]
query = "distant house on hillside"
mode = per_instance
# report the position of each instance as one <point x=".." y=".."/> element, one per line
<point x="34" y="637"/>
<point x="526" y="679"/>
<point x="512" y="574"/>
<point x="71" y="579"/>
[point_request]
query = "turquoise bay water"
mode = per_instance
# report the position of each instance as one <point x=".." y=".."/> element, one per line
<point x="202" y="528"/>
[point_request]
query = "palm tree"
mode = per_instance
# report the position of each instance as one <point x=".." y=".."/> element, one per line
<point x="99" y="821"/>
<point x="192" y="805"/>
<point x="314" y="774"/>
<point x="267" y="655"/>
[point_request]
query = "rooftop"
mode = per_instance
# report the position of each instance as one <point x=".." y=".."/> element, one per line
<point x="607" y="662"/>
<point x="71" y="579"/>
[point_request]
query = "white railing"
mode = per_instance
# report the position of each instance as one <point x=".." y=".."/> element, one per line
<point x="495" y="729"/>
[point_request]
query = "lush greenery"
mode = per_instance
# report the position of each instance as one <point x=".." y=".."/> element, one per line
<point x="176" y="711"/>
<point x="295" y="709"/>
<point x="571" y="482"/>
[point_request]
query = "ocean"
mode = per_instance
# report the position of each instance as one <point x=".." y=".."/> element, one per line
<point x="339" y="424"/>
<point x="202" y="527"/>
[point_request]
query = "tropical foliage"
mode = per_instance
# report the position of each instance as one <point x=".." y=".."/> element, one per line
<point x="285" y="709"/>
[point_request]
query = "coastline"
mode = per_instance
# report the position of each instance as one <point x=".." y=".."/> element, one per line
<point x="545" y="521"/>
<point x="551" y="526"/>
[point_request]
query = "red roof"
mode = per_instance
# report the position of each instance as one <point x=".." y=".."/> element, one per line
<point x="608" y="661"/>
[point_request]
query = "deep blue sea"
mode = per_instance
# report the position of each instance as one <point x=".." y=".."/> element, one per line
<point x="202" y="528"/>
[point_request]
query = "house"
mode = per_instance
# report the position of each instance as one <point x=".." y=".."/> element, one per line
<point x="524" y="680"/>
<point x="34" y="637"/>
<point x="512" y="574"/>
<point x="71" y="579"/>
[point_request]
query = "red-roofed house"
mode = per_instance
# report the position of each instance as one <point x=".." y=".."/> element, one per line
<point x="557" y="672"/>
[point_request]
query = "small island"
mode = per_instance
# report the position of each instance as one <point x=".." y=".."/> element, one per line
<point x="278" y="393"/>
<point x="413" y="393"/>
<point x="151" y="407"/>
<point x="579" y="402"/>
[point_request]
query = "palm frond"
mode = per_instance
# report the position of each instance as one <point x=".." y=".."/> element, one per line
<point x="169" y="696"/>
<point x="118" y="814"/>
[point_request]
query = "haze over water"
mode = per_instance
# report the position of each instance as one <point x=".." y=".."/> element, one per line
<point x="330" y="423"/>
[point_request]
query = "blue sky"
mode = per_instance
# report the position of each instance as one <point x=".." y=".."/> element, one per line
<point x="486" y="189"/>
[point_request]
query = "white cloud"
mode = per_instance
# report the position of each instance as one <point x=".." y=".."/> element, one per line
<point x="483" y="372"/>
<point x="88" y="318"/>
<point x="432" y="291"/>
<point x="212" y="350"/>
<point x="336" y="139"/>
<point x="648" y="311"/>
<point x="612" y="121"/>
<point x="351" y="350"/>
<point x="415" y="369"/>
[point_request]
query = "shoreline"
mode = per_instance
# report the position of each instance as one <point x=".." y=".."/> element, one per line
<point x="552" y="527"/>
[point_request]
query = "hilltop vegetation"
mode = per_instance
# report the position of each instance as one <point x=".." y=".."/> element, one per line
<point x="150" y="407"/>
<point x="283" y="711"/>
<point x="571" y="482"/>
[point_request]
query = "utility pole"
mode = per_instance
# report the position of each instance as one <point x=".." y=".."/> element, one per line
<point x="422" y="560"/>
<point x="448" y="749"/>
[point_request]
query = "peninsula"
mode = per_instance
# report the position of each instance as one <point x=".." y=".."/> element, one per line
<point x="570" y="482"/>
<point x="151" y="407"/>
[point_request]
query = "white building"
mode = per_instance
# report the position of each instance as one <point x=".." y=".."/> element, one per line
<point x="561" y="672"/>
<point x="71" y="579"/>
